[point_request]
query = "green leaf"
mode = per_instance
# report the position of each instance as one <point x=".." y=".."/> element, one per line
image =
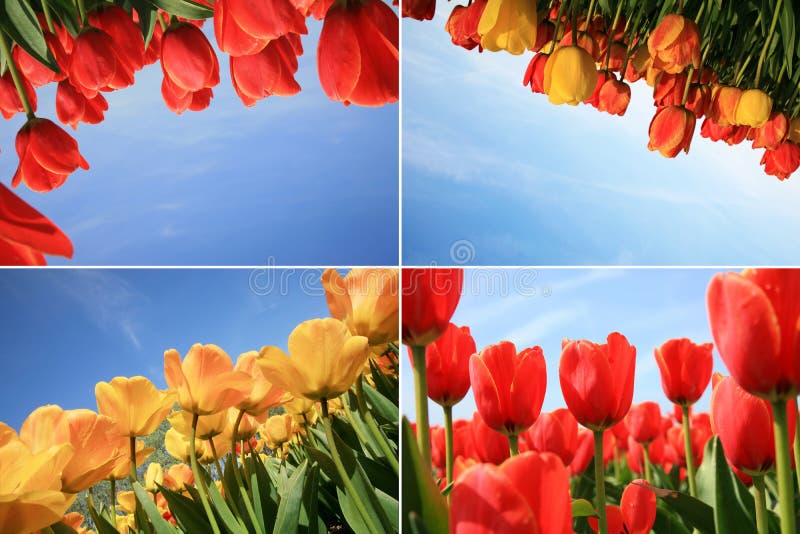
<point x="188" y="513"/>
<point x="183" y="8"/>
<point x="668" y="522"/>
<point x="223" y="511"/>
<point x="309" y="515"/>
<point x="160" y="524"/>
<point x="265" y="494"/>
<point x="288" y="518"/>
<point x="582" y="508"/>
<point x="101" y="523"/>
<point x="148" y="17"/>
<point x="386" y="386"/>
<point x="61" y="528"/>
<point x="23" y="27"/>
<point x="421" y="497"/>
<point x="787" y="23"/>
<point x="693" y="511"/>
<point x="380" y="406"/>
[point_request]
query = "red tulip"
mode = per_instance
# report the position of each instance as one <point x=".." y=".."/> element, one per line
<point x="584" y="452"/>
<point x="614" y="97"/>
<point x="94" y="65"/>
<point x="490" y="446"/>
<point x="266" y="19"/>
<point x="534" y="75"/>
<point x="187" y="58"/>
<point x="675" y="44"/>
<point x="179" y="100"/>
<point x="671" y="130"/>
<point x="602" y="77"/>
<point x="635" y="455"/>
<point x="430" y="297"/>
<point x="773" y="133"/>
<point x="447" y="362"/>
<point x="26" y="235"/>
<point x="597" y="380"/>
<point x="419" y="9"/>
<point x="10" y="103"/>
<point x="644" y="421"/>
<point x="527" y="493"/>
<point x="463" y="440"/>
<point x="463" y="25"/>
<point x="231" y="38"/>
<point x="37" y="73"/>
<point x="357" y="55"/>
<point x="744" y="424"/>
<point x="47" y="155"/>
<point x="268" y="72"/>
<point x="700" y="433"/>
<point x="438" y="452"/>
<point x="685" y="369"/>
<point x="125" y="34"/>
<point x="508" y="387"/>
<point x="636" y="513"/>
<point x="555" y="432"/>
<point x="782" y="161"/>
<point x="73" y="107"/>
<point x="754" y="319"/>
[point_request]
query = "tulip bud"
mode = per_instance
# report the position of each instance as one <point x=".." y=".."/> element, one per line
<point x="47" y="155"/>
<point x="555" y="432"/>
<point x="685" y="369"/>
<point x="10" y="103"/>
<point x="644" y="421"/>
<point x="724" y="101"/>
<point x="508" y="25"/>
<point x="430" y="297"/>
<point x="671" y="130"/>
<point x="753" y="108"/>
<point x="277" y="430"/>
<point x="614" y="97"/>
<point x="153" y="477"/>
<point x="570" y="76"/>
<point x="73" y="107"/>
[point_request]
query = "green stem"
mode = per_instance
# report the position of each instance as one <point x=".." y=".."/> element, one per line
<point x="372" y="425"/>
<point x="611" y="33"/>
<point x="761" y="504"/>
<point x="796" y="447"/>
<point x="767" y="41"/>
<point x="448" y="442"/>
<point x="82" y="10"/>
<point x="348" y="484"/>
<point x="421" y="393"/>
<point x="688" y="85"/>
<point x="783" y="467"/>
<point x="648" y="472"/>
<point x="48" y="16"/>
<point x="600" y="483"/>
<point x="238" y="476"/>
<point x="114" y="502"/>
<point x="201" y="487"/>
<point x="513" y="444"/>
<point x="90" y="496"/>
<point x="12" y="68"/>
<point x="133" y="474"/>
<point x="687" y="445"/>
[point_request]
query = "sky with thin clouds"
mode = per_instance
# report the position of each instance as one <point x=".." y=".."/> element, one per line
<point x="525" y="182"/>
<point x="65" y="330"/>
<point x="292" y="181"/>
<point x="542" y="306"/>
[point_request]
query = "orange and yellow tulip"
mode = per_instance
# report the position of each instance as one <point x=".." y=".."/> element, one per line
<point x="178" y="477"/>
<point x="671" y="130"/>
<point x="263" y="395"/>
<point x="122" y="468"/>
<point x="134" y="404"/>
<point x="208" y="426"/>
<point x="508" y="25"/>
<point x="675" y="44"/>
<point x="277" y="430"/>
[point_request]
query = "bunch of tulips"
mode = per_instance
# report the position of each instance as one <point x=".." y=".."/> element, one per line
<point x="729" y="64"/>
<point x="601" y="464"/>
<point x="94" y="47"/>
<point x="308" y="440"/>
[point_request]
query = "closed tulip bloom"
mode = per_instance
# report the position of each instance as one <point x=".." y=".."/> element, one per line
<point x="263" y="395"/>
<point x="731" y="134"/>
<point x="508" y="387"/>
<point x="122" y="468"/>
<point x="753" y="108"/>
<point x="671" y="130"/>
<point x="528" y="493"/>
<point x="570" y="76"/>
<point x="597" y="380"/>
<point x="782" y="161"/>
<point x="744" y="424"/>
<point x="37" y="73"/>
<point x="534" y="75"/>
<point x="447" y="362"/>
<point x="675" y="44"/>
<point x="325" y="360"/>
<point x="208" y="426"/>
<point x="508" y="25"/>
<point x="178" y="477"/>
<point x="463" y="24"/>
<point x="724" y="101"/>
<point x="73" y="107"/>
<point x="134" y="404"/>
<point x="636" y="513"/>
<point x="419" y="9"/>
<point x="26" y="235"/>
<point x="179" y="100"/>
<point x="555" y="432"/>
<point x="490" y="446"/>
<point x="30" y="488"/>
<point x="248" y="426"/>
<point x="614" y="97"/>
<point x="430" y="297"/>
<point x="267" y="72"/>
<point x="205" y="381"/>
<point x="685" y="369"/>
<point x="644" y="421"/>
<point x="10" y="102"/>
<point x="125" y="34"/>
<point x="268" y="19"/>
<point x="231" y="37"/>
<point x="277" y="430"/>
<point x="177" y="445"/>
<point x="357" y="54"/>
<point x="772" y="133"/>
<point x="153" y="477"/>
<point x="366" y="300"/>
<point x="754" y="319"/>
<point x="583" y="452"/>
<point x="47" y="155"/>
<point x="187" y="58"/>
<point x="94" y="65"/>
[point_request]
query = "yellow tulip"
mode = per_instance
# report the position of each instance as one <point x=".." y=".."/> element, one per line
<point x="135" y="405"/>
<point x="366" y="300"/>
<point x="302" y="410"/>
<point x="248" y="426"/>
<point x="178" y="477"/>
<point x="208" y="426"/>
<point x="508" y="25"/>
<point x="569" y="76"/>
<point x="153" y="477"/>
<point x="122" y="468"/>
<point x="177" y="445"/>
<point x="92" y="437"/>
<point x="325" y="360"/>
<point x="222" y="444"/>
<point x="74" y="520"/>
<point x="126" y="501"/>
<point x="753" y="108"/>
<point x="205" y="381"/>
<point x="30" y="485"/>
<point x="277" y="430"/>
<point x="264" y="395"/>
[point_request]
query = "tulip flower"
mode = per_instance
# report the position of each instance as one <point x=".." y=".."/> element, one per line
<point x="614" y="97"/>
<point x="772" y="133"/>
<point x="508" y="387"/>
<point x="231" y="37"/>
<point x="94" y="64"/>
<point x="555" y="432"/>
<point x="430" y="297"/>
<point x="325" y="360"/>
<point x="208" y="426"/>
<point x="731" y="134"/>
<point x="366" y="301"/>
<point x="583" y="452"/>
<point x="685" y="369"/>
<point x="47" y="155"/>
<point x="570" y="76"/>
<point x="357" y="54"/>
<point x="205" y="381"/>
<point x="26" y="235"/>
<point x="534" y="75"/>
<point x="463" y="24"/>
<point x="675" y="44"/>
<point x="177" y="445"/>
<point x="490" y="446"/>
<point x="508" y="25"/>
<point x="724" y="101"/>
<point x="447" y="365"/>
<point x="178" y="477"/>
<point x="125" y="34"/>
<point x="10" y="102"/>
<point x="37" y="73"/>
<point x="753" y="108"/>
<point x="636" y="513"/>
<point x="153" y="477"/>
<point x="527" y="493"/>
<point x="263" y="395"/>
<point x="671" y="130"/>
<point x="73" y="107"/>
<point x="187" y="58"/>
<point x="268" y="19"/>
<point x="134" y="404"/>
<point x="419" y="9"/>
<point x="277" y="430"/>
<point x="644" y="421"/>
<point x="782" y="161"/>
<point x="267" y="72"/>
<point x="30" y="488"/>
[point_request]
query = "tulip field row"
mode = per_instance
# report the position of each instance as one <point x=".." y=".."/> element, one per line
<point x="602" y="463"/>
<point x="736" y="65"/>
<point x="273" y="442"/>
<point x="92" y="47"/>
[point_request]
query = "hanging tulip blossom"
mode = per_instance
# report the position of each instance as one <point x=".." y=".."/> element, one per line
<point x="47" y="155"/>
<point x="508" y="25"/>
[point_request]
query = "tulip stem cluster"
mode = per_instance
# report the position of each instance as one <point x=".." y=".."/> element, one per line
<point x="198" y="475"/>
<point x="12" y="68"/>
<point x="687" y="444"/>
<point x="421" y="395"/>
<point x="761" y="504"/>
<point x="767" y="41"/>
<point x="783" y="467"/>
<point x="238" y="476"/>
<point x="366" y="414"/>
<point x="448" y="442"/>
<point x="48" y="17"/>
<point x="600" y="482"/>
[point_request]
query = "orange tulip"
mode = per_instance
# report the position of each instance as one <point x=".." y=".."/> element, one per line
<point x="134" y="404"/>
<point x="614" y="97"/>
<point x="277" y="430"/>
<point x="178" y="477"/>
<point x="772" y="133"/>
<point x="724" y="100"/>
<point x="264" y="395"/>
<point x="675" y="44"/>
<point x="208" y="426"/>
<point x="122" y="468"/>
<point x="205" y="381"/>
<point x="671" y="130"/>
<point x="782" y="161"/>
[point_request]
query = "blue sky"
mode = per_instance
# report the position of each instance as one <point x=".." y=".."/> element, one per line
<point x="291" y="181"/>
<point x="65" y="330"/>
<point x="530" y="183"/>
<point x="540" y="307"/>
